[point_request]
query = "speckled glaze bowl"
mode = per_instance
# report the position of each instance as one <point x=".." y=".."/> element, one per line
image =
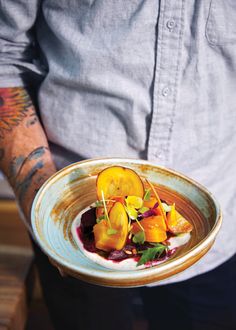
<point x="72" y="189"/>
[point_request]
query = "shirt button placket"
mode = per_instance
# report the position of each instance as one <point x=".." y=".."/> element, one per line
<point x="166" y="79"/>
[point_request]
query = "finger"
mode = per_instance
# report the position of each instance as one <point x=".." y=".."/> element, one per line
<point x="61" y="271"/>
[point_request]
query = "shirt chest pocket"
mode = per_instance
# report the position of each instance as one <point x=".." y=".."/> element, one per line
<point x="221" y="22"/>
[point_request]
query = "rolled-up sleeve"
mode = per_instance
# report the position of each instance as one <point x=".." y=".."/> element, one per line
<point x="18" y="55"/>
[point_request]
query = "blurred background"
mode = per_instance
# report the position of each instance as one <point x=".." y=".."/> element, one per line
<point x="21" y="301"/>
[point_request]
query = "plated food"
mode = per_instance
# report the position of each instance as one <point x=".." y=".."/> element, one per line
<point x="129" y="227"/>
<point x="61" y="201"/>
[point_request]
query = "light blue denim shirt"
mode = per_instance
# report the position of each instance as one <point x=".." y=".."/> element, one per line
<point x="152" y="79"/>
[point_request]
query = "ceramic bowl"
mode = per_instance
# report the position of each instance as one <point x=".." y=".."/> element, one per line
<point x="72" y="189"/>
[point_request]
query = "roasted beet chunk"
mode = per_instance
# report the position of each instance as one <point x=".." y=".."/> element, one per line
<point x="85" y="231"/>
<point x="88" y="220"/>
<point x="129" y="251"/>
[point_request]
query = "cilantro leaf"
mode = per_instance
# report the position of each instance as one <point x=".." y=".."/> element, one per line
<point x="139" y="237"/>
<point x="102" y="217"/>
<point x="143" y="209"/>
<point x="98" y="203"/>
<point x="147" y="195"/>
<point x="132" y="213"/>
<point x="134" y="202"/>
<point x="151" y="254"/>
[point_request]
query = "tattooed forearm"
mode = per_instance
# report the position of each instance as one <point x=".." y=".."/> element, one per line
<point x="37" y="153"/>
<point x="18" y="163"/>
<point x="28" y="172"/>
<point x="14" y="106"/>
<point x="33" y="119"/>
<point x="25" y="157"/>
<point x="15" y="165"/>
<point x="25" y="183"/>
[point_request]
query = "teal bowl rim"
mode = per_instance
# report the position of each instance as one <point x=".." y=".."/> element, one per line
<point x="141" y="273"/>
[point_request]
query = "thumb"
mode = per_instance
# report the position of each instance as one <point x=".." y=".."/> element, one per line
<point x="61" y="271"/>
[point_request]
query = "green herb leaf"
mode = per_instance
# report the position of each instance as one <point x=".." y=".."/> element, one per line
<point x="151" y="254"/>
<point x="132" y="213"/>
<point x="134" y="202"/>
<point x="98" y="203"/>
<point x="143" y="209"/>
<point x="147" y="195"/>
<point x="111" y="231"/>
<point x="139" y="237"/>
<point x="102" y="217"/>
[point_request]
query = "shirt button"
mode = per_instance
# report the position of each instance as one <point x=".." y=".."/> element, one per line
<point x="166" y="91"/>
<point x="170" y="24"/>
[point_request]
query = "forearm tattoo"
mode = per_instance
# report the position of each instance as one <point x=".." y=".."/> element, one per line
<point x="23" y="182"/>
<point x="18" y="163"/>
<point x="15" y="105"/>
<point x="25" y="168"/>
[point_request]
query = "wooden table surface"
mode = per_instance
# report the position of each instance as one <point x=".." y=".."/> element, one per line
<point x="16" y="269"/>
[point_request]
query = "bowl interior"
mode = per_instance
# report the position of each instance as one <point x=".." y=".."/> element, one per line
<point x="72" y="189"/>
